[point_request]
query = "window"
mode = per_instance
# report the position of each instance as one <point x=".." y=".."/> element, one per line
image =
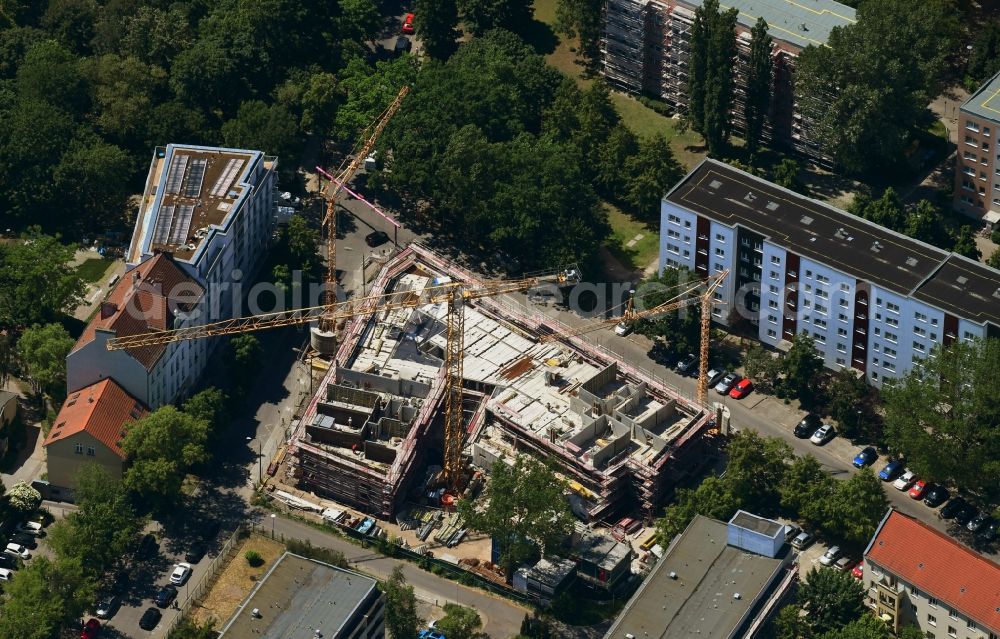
<point x="952" y="632"/>
<point x="892" y="337"/>
<point x="772" y="304"/>
<point x="931" y="601"/>
<point x="970" y="140"/>
<point x="772" y="319"/>
<point x="718" y="267"/>
<point x="687" y="224"/>
<point x="917" y="346"/>
<point x="79" y="449"/>
<point x="919" y="331"/>
<point x="971" y="624"/>
<point x="720" y="237"/>
<point x="819" y="338"/>
<point x="889" y="352"/>
<point x="674" y="234"/>
<point x="775" y="259"/>
<point x="820" y="323"/>
<point x="892" y="321"/>
<point x="843" y="302"/>
<point x="878" y="301"/>
<point x="809" y="273"/>
<point x="91" y="451"/>
<point x="972" y="126"/>
<point x="771" y="333"/>
<point x="841" y="347"/>
<point x="934" y="321"/>
<point x="822" y="294"/>
<point x="842" y="332"/>
<point x="842" y="317"/>
<point x="966" y="335"/>
<point x="844" y="286"/>
<point x="892" y="307"/>
<point x="953" y="615"/>
<point x="673" y="218"/>
<point x="822" y="278"/>
<point x="931" y="620"/>
<point x="774" y="275"/>
<point x="772" y="288"/>
<point x="719" y="251"/>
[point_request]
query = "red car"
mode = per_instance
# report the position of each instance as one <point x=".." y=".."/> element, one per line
<point x="918" y="489"/>
<point x="408" y="24"/>
<point x="742" y="389"/>
<point x="91" y="629"/>
<point x="858" y="572"/>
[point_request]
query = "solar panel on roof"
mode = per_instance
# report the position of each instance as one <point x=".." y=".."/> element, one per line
<point x="233" y="167"/>
<point x="175" y="176"/>
<point x="196" y="175"/>
<point x="182" y="224"/>
<point x="163" y="222"/>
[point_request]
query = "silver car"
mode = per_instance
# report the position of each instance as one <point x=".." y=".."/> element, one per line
<point x="727" y="383"/>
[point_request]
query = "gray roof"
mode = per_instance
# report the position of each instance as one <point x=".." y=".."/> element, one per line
<point x="986" y="101"/>
<point x="700" y="601"/>
<point x="298" y="595"/>
<point x="601" y="550"/>
<point x="850" y="244"/>
<point x="749" y="521"/>
<point x="802" y="22"/>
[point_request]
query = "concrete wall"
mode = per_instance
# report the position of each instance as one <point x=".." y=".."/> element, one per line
<point x="67" y="456"/>
<point x="93" y="362"/>
<point x="369" y="381"/>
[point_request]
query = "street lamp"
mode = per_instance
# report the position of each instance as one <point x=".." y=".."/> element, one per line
<point x="273" y="517"/>
<point x="259" y="457"/>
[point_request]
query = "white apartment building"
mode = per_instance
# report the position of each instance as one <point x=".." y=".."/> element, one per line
<point x="872" y="299"/>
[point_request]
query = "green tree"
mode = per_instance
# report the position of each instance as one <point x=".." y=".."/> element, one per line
<point x="867" y="627"/>
<point x="481" y="16"/>
<point x="211" y="406"/>
<point x="37" y="285"/>
<point x="856" y="507"/>
<point x="7" y="359"/>
<point x="790" y="624"/>
<point x="650" y="173"/>
<point x="713" y="498"/>
<point x="942" y="416"/>
<point x="190" y="629"/>
<point x="89" y="177"/>
<point x="359" y="20"/>
<point x="461" y="622"/>
<point x="612" y="155"/>
<point x="71" y="22"/>
<point x="125" y="89"/>
<point x="756" y="467"/>
<point x="804" y="487"/>
<point x="761" y="367"/>
<point x="994" y="259"/>
<point x="161" y="448"/>
<point x="984" y="60"/>
<point x="23" y="499"/>
<point x="786" y="174"/>
<point x="886" y="211"/>
<point x="244" y="354"/>
<point x="699" y="71"/>
<point x="713" y="49"/>
<point x="270" y="128"/>
<point x="369" y="92"/>
<point x="758" y="100"/>
<point x="104" y="527"/>
<point x="831" y="599"/>
<point x="319" y="101"/>
<point x="581" y="18"/>
<point x="680" y="328"/>
<point x="910" y="632"/>
<point x="42" y="351"/>
<point x="436" y="23"/>
<point x="801" y="366"/>
<point x="401" y="617"/>
<point x="965" y="244"/>
<point x="46" y="599"/>
<point x="849" y="395"/>
<point x="923" y="223"/>
<point x="523" y="507"/>
<point x="155" y="35"/>
<point x="301" y="242"/>
<point x="51" y="73"/>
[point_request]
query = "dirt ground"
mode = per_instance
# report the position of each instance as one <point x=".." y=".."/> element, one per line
<point x="237" y="580"/>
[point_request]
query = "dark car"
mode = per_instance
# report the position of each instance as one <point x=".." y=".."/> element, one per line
<point x="977" y="522"/>
<point x="150" y="618"/>
<point x="106" y="607"/>
<point x="195" y="552"/>
<point x="953" y="508"/>
<point x="936" y="496"/>
<point x="809" y="425"/>
<point x="966" y="514"/>
<point x="403" y="45"/>
<point x="9" y="562"/>
<point x="26" y="540"/>
<point x="165" y="595"/>
<point x="147" y="547"/>
<point x="892" y="470"/>
<point x="866" y="457"/>
<point x="687" y="365"/>
<point x="660" y="353"/>
<point x="988" y="532"/>
<point x="376" y="238"/>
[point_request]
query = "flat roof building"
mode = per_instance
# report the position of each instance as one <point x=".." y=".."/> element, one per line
<point x="977" y="183"/>
<point x="300" y="597"/>
<point x="872" y="299"/>
<point x="705" y="587"/>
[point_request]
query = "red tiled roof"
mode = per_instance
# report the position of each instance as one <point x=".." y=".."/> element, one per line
<point x="139" y="304"/>
<point x="939" y="566"/>
<point x="101" y="409"/>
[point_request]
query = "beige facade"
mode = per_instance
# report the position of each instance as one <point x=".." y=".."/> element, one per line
<point x="67" y="456"/>
<point x="977" y="164"/>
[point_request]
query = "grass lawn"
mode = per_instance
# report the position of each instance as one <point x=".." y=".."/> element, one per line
<point x="623" y="230"/>
<point x="93" y="268"/>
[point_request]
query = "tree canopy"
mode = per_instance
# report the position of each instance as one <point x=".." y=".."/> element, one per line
<point x="161" y="448"/>
<point x="42" y="351"/>
<point x="46" y="598"/>
<point x="37" y="285"/>
<point x="401" y="617"/>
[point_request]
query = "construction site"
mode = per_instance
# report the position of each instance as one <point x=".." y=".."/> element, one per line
<point x="373" y="435"/>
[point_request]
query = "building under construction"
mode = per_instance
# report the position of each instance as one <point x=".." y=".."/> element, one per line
<point x="374" y="428"/>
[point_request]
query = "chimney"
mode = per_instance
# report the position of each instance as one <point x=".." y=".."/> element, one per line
<point x="108" y="309"/>
<point x="135" y="279"/>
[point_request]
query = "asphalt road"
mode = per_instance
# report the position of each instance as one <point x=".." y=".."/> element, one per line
<point x="501" y="618"/>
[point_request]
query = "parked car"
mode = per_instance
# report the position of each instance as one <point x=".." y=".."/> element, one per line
<point x="858" y="572"/>
<point x="6" y="574"/>
<point x="147" y="547"/>
<point x="988" y="532"/>
<point x="430" y="634"/>
<point x="845" y="563"/>
<point x="623" y="328"/>
<point x="791" y="531"/>
<point x="402" y="45"/>
<point x="726" y="383"/>
<point x="809" y="425"/>
<point x="28" y="541"/>
<point x="407" y="28"/>
<point x="687" y="365"/>
<point x="715" y="376"/>
<point x="822" y="435"/>
<point x="904" y="481"/>
<point x="966" y="514"/>
<point x="918" y="489"/>
<point x="866" y="457"/>
<point x="91" y="629"/>
<point x="181" y="573"/>
<point x="936" y="495"/>
<point x="891" y="470"/>
<point x="8" y="561"/>
<point x="803" y="540"/>
<point x="195" y="552"/>
<point x="31" y="528"/>
<point x="165" y="595"/>
<point x="743" y="388"/>
<point x="376" y="238"/>
<point x="107" y="607"/>
<point x="830" y="555"/>
<point x="150" y="618"/>
<point x="977" y="522"/>
<point x="952" y="508"/>
<point x="19" y="550"/>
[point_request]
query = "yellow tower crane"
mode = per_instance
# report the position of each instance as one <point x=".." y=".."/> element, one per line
<point x="344" y="174"/>
<point x="700" y="292"/>
<point x="453" y="294"/>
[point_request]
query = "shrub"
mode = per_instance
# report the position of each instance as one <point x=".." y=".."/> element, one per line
<point x="253" y="558"/>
